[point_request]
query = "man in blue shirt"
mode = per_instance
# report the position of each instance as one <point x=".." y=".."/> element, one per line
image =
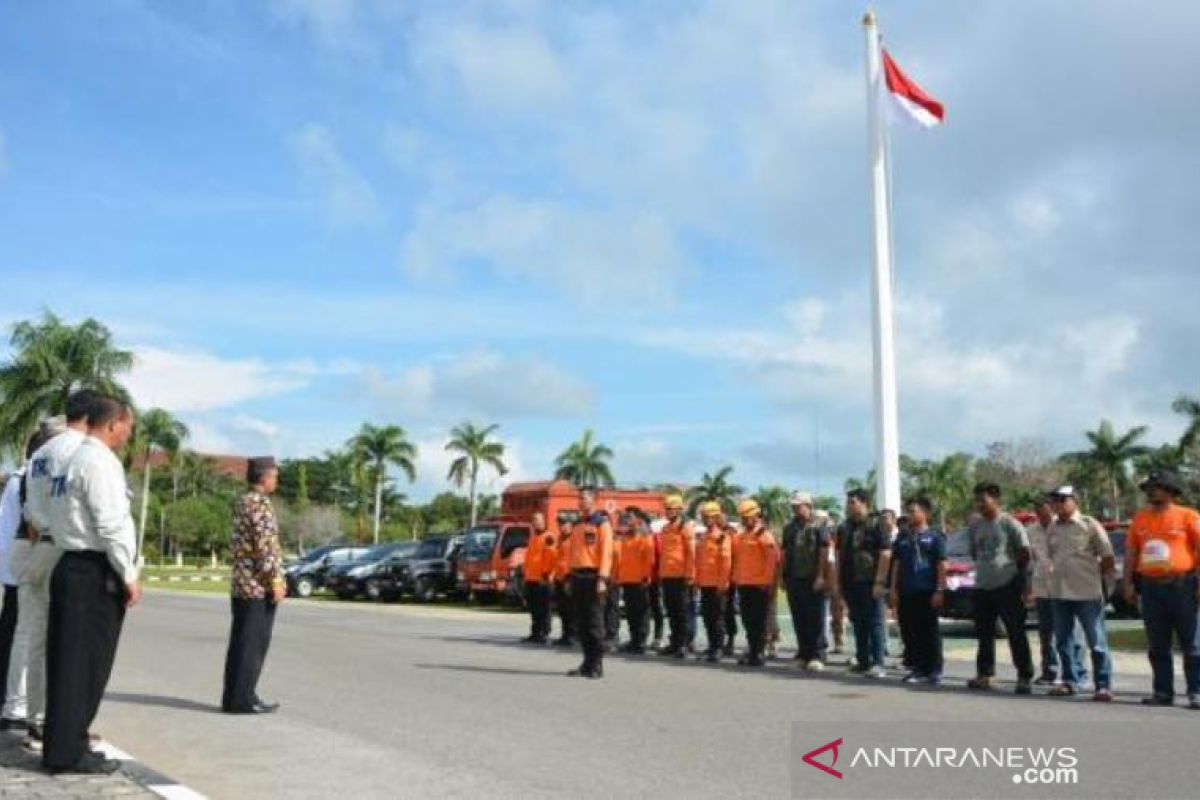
<point x="918" y="585"/>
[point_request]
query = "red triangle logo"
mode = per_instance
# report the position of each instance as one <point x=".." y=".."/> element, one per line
<point x="810" y="758"/>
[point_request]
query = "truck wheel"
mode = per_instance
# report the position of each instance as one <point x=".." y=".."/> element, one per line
<point x="372" y="590"/>
<point x="425" y="590"/>
<point x="305" y="587"/>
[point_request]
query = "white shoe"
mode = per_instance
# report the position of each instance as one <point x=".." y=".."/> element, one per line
<point x="815" y="666"/>
<point x="878" y="673"/>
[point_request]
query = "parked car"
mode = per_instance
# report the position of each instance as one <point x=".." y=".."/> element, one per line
<point x="349" y="580"/>
<point x="1115" y="599"/>
<point x="308" y="575"/>
<point x="960" y="577"/>
<point x="428" y="572"/>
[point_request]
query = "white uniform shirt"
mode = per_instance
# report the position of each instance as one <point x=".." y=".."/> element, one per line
<point x="10" y="521"/>
<point x="90" y="509"/>
<point x="47" y="462"/>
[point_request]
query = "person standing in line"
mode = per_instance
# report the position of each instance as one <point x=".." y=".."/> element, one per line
<point x="1000" y="549"/>
<point x="562" y="575"/>
<point x="622" y="530"/>
<point x="539" y="558"/>
<point x="1162" y="566"/>
<point x="677" y="572"/>
<point x="837" y="606"/>
<point x="864" y="559"/>
<point x="918" y="592"/>
<point x="657" y="612"/>
<point x="1041" y="575"/>
<point x="632" y="572"/>
<point x="591" y="569"/>
<point x="95" y="581"/>
<point x="1083" y="562"/>
<point x="756" y="573"/>
<point x="714" y="567"/>
<point x="258" y="587"/>
<point x="807" y="576"/>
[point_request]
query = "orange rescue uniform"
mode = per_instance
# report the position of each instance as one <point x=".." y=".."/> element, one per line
<point x="592" y="546"/>
<point x="1166" y="542"/>
<point x="678" y="551"/>
<point x="714" y="559"/>
<point x="635" y="560"/>
<point x="755" y="558"/>
<point x="562" y="556"/>
<point x="540" y="558"/>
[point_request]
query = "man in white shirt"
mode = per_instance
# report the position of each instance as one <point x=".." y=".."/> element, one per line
<point x="48" y="461"/>
<point x="94" y="582"/>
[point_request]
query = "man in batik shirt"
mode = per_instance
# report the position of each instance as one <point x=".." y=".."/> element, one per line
<point x="258" y="587"/>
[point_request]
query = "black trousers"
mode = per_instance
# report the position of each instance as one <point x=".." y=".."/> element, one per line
<point x="589" y="617"/>
<point x="612" y="615"/>
<point x="712" y="609"/>
<point x="637" y="611"/>
<point x="1006" y="605"/>
<point x="8" y="627"/>
<point x="249" y="640"/>
<point x="566" y="610"/>
<point x="656" y="609"/>
<point x="920" y="632"/>
<point x="675" y="598"/>
<point x="756" y="602"/>
<point x="87" y="608"/>
<point x="537" y="598"/>
<point x="732" y="609"/>
<point x="809" y="610"/>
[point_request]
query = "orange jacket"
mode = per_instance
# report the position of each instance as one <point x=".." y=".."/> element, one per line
<point x="540" y="558"/>
<point x="678" y="551"/>
<point x="592" y="546"/>
<point x="562" y="555"/>
<point x="635" y="561"/>
<point x="714" y="559"/>
<point x="755" y="557"/>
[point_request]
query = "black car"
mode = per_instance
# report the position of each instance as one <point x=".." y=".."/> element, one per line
<point x="309" y="573"/>
<point x="349" y="580"/>
<point x="430" y="571"/>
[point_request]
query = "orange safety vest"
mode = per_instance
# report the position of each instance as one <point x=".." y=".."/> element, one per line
<point x="635" y="563"/>
<point x="678" y="551"/>
<point x="592" y="546"/>
<point x="755" y="557"/>
<point x="714" y="559"/>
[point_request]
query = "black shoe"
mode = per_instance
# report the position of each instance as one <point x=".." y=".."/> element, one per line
<point x="755" y="661"/>
<point x="14" y="725"/>
<point x="672" y="650"/>
<point x="680" y="653"/>
<point x="531" y="639"/>
<point x="595" y="672"/>
<point x="727" y="650"/>
<point x="1158" y="700"/>
<point x="92" y="763"/>
<point x="564" y="642"/>
<point x="257" y="708"/>
<point x="579" y="672"/>
<point x="711" y="657"/>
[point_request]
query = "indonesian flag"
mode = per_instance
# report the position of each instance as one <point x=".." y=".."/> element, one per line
<point x="907" y="100"/>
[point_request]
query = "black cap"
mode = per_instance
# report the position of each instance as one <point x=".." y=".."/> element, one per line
<point x="1163" y="480"/>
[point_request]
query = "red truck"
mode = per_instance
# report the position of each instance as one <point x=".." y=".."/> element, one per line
<point x="493" y="556"/>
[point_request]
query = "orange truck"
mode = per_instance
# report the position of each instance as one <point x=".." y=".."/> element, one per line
<point x="491" y="566"/>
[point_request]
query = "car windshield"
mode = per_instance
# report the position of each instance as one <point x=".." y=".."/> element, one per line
<point x="958" y="545"/>
<point x="316" y="554"/>
<point x="431" y="548"/>
<point x="478" y="543"/>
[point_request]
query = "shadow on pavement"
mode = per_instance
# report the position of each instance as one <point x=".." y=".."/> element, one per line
<point x="491" y="670"/>
<point x="177" y="703"/>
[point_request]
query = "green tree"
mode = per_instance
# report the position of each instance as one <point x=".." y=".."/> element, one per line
<point x="775" y="505"/>
<point x="199" y="523"/>
<point x="50" y="360"/>
<point x="156" y="430"/>
<point x="947" y="483"/>
<point x="868" y="483"/>
<point x="1189" y="407"/>
<point x="1109" y="455"/>
<point x="474" y="447"/>
<point x="379" y="448"/>
<point x="585" y="463"/>
<point x="715" y="487"/>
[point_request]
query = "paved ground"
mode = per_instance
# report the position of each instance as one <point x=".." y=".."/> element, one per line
<point x="405" y="701"/>
<point x="21" y="776"/>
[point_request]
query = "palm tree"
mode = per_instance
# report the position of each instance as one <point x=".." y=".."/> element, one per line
<point x="775" y="505"/>
<point x="947" y="483"/>
<point x="715" y="487"/>
<point x="1190" y="408"/>
<point x="585" y="463"/>
<point x="156" y="430"/>
<point x="379" y="448"/>
<point x="869" y="483"/>
<point x="51" y="359"/>
<point x="1110" y="455"/>
<point x="475" y="448"/>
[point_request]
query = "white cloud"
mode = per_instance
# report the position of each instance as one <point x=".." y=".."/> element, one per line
<point x="345" y="194"/>
<point x="187" y="380"/>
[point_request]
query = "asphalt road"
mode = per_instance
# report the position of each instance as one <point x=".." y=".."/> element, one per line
<point x="409" y="701"/>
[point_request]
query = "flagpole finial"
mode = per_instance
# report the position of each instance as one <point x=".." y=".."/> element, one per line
<point x="869" y="19"/>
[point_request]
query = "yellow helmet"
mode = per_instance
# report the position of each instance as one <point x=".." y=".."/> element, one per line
<point x="674" y="502"/>
<point x="748" y="508"/>
<point x="710" y="508"/>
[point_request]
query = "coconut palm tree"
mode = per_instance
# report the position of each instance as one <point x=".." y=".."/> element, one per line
<point x="378" y="448"/>
<point x="475" y="448"/>
<point x="1190" y="407"/>
<point x="1109" y="456"/>
<point x="775" y="505"/>
<point x="585" y="463"/>
<point x="50" y="360"/>
<point x="156" y="430"/>
<point x="715" y="487"/>
<point x="947" y="483"/>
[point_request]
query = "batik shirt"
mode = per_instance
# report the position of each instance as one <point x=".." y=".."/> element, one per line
<point x="257" y="558"/>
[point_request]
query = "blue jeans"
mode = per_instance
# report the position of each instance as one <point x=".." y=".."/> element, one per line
<point x="866" y="615"/>
<point x="1170" y="609"/>
<point x="1090" y="615"/>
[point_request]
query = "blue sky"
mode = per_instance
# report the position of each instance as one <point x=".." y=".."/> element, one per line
<point x="645" y="218"/>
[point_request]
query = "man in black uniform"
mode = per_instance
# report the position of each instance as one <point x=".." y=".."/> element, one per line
<point x="807" y="578"/>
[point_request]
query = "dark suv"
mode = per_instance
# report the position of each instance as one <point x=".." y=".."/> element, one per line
<point x="307" y="575"/>
<point x="429" y="572"/>
<point x="349" y="580"/>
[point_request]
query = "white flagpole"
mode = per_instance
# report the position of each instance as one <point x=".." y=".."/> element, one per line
<point x="887" y="436"/>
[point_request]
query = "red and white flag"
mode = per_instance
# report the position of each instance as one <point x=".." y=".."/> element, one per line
<point x="908" y="100"/>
